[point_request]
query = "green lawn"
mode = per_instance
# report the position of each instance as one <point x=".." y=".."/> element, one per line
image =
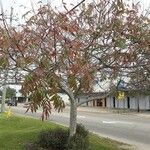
<point x="16" y="131"/>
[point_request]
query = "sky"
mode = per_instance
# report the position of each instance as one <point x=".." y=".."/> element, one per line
<point x="22" y="6"/>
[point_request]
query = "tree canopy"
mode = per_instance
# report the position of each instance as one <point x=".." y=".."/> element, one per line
<point x="67" y="50"/>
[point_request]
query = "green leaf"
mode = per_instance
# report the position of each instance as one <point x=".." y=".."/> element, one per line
<point x="72" y="82"/>
<point x="58" y="102"/>
<point x="121" y="43"/>
<point x="3" y="62"/>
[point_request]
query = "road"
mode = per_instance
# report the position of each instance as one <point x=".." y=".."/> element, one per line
<point x="131" y="129"/>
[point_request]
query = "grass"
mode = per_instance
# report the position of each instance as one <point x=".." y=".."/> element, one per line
<point x="100" y="143"/>
<point x="15" y="132"/>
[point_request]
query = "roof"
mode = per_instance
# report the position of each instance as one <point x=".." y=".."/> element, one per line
<point x="94" y="94"/>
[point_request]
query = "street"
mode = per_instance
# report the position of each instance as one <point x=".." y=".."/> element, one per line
<point x="130" y="129"/>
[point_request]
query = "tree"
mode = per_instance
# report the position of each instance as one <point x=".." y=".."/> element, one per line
<point x="8" y="70"/>
<point x="140" y="73"/>
<point x="67" y="50"/>
<point x="10" y="92"/>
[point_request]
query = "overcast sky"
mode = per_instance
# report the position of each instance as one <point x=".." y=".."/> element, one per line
<point x="22" y="6"/>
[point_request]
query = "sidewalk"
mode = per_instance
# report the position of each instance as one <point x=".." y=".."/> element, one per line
<point x="106" y="111"/>
<point x="114" y="111"/>
<point x="94" y="109"/>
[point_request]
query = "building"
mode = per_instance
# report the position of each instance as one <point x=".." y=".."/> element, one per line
<point x="96" y="102"/>
<point x="140" y="101"/>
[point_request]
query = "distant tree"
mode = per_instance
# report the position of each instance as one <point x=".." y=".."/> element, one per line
<point x="10" y="92"/>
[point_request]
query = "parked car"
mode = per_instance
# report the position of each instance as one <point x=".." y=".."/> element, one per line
<point x="11" y="102"/>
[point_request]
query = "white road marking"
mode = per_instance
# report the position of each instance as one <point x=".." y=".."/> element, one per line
<point x="111" y="122"/>
<point x="116" y="122"/>
<point x="81" y="116"/>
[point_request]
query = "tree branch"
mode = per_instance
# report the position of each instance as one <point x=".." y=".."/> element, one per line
<point x="75" y="7"/>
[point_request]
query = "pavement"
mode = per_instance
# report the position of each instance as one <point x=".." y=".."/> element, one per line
<point x="115" y="111"/>
<point x="101" y="110"/>
<point x="131" y="128"/>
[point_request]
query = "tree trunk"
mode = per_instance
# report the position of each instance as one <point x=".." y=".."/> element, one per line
<point x="73" y="118"/>
<point x="3" y="99"/>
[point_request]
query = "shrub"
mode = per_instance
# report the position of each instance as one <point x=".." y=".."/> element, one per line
<point x="58" y="139"/>
<point x="82" y="130"/>
<point x="55" y="139"/>
<point x="80" y="141"/>
<point x="31" y="146"/>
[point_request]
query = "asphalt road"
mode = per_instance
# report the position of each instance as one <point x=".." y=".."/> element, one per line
<point x="131" y="129"/>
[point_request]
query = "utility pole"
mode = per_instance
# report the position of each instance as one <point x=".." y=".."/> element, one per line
<point x="5" y="75"/>
<point x="4" y="91"/>
<point x="3" y="98"/>
<point x="11" y="15"/>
